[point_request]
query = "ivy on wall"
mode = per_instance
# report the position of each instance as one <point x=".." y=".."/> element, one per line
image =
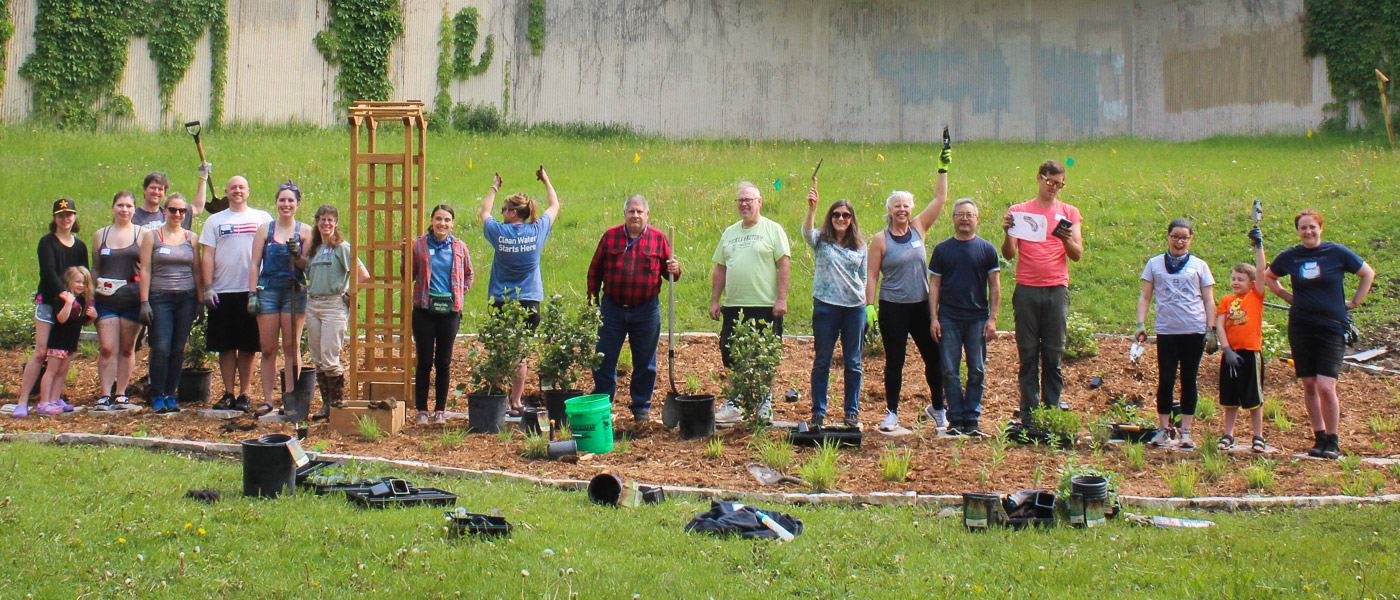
<point x="359" y="39"/>
<point x="1356" y="37"/>
<point x="535" y="30"/>
<point x="79" y="54"/>
<point x="180" y="25"/>
<point x="7" y="30"/>
<point x="465" y="34"/>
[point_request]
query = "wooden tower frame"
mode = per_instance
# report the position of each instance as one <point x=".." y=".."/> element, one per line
<point x="388" y="192"/>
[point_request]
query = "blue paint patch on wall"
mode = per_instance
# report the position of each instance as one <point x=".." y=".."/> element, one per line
<point x="1080" y="85"/>
<point x="981" y="80"/>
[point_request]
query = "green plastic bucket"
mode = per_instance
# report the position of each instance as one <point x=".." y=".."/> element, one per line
<point x="590" y="421"/>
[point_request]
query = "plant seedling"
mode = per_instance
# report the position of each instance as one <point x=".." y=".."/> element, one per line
<point x="822" y="469"/>
<point x="368" y="428"/>
<point x="714" y="449"/>
<point x="894" y="464"/>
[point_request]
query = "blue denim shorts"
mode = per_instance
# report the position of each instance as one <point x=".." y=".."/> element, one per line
<point x="132" y="314"/>
<point x="281" y="299"/>
<point x="43" y="311"/>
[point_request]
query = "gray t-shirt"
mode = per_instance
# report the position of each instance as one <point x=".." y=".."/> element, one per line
<point x="1180" y="306"/>
<point x="838" y="274"/>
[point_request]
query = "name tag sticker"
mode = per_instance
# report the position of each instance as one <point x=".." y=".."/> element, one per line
<point x="106" y="252"/>
<point x="917" y="244"/>
<point x="163" y="250"/>
<point x="1061" y="217"/>
<point x="432" y="252"/>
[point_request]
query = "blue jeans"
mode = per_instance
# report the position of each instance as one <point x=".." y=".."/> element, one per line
<point x="959" y="337"/>
<point x="829" y="322"/>
<point x="641" y="326"/>
<point x="169" y="330"/>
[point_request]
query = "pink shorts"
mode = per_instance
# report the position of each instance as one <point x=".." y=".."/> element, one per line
<point x="56" y="353"/>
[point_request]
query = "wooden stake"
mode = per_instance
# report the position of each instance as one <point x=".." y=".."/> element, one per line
<point x="1381" y="80"/>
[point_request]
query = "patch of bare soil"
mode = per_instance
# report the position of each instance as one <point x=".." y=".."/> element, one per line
<point x="657" y="455"/>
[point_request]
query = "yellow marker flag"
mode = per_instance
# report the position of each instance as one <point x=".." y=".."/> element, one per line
<point x="879" y="157"/>
<point x="636" y="158"/>
<point x="469" y="162"/>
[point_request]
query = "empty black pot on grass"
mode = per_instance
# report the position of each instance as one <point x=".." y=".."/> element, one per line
<point x="486" y="413"/>
<point x="268" y="466"/>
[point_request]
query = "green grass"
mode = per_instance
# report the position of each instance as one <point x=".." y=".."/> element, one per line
<point x="127" y="532"/>
<point x="773" y="451"/>
<point x="822" y="470"/>
<point x="1127" y="189"/>
<point x="894" y="463"/>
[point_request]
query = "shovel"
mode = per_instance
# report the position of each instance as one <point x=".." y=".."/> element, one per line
<point x="770" y="476"/>
<point x="215" y="203"/>
<point x="670" y="411"/>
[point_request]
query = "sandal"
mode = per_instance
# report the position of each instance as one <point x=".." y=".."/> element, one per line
<point x="104" y="403"/>
<point x="514" y="411"/>
<point x="121" y="399"/>
<point x="1226" y="442"/>
<point x="263" y="410"/>
<point x="1258" y="445"/>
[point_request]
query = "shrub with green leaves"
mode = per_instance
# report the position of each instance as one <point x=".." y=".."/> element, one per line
<point x="567" y="339"/>
<point x="503" y="340"/>
<point x="477" y="117"/>
<point x="16" y="326"/>
<point x="755" y="352"/>
<point x="1079" y="337"/>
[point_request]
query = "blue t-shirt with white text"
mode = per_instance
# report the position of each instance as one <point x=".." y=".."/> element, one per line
<point x="517" y="261"/>
<point x="1318" y="274"/>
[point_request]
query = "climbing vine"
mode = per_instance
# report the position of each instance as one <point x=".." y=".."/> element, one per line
<point x="79" y="53"/>
<point x="536" y="27"/>
<point x="1356" y="37"/>
<point x="172" y="46"/>
<point x="359" y="39"/>
<point x="442" y="103"/>
<point x="7" y="30"/>
<point x="465" y="33"/>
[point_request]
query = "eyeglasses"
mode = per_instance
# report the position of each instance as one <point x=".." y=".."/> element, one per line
<point x="1179" y="238"/>
<point x="841" y="215"/>
<point x="964" y="215"/>
<point x="746" y="200"/>
<point x="175" y="211"/>
<point x="1054" y="185"/>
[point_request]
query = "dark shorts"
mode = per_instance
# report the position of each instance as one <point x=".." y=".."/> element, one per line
<point x="230" y="327"/>
<point x="1242" y="386"/>
<point x="132" y="314"/>
<point x="1316" y="350"/>
<point x="533" y="306"/>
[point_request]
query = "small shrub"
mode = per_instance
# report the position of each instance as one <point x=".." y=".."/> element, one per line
<point x="197" y="354"/>
<point x="1260" y="475"/>
<point x="1135" y="456"/>
<point x="1079" y="337"/>
<point x="822" y="470"/>
<point x="567" y="338"/>
<point x="535" y="447"/>
<point x="595" y="132"/>
<point x="477" y="118"/>
<point x="873" y="344"/>
<point x="1384" y="424"/>
<point x="368" y="428"/>
<point x="1205" y="408"/>
<point x="714" y="449"/>
<point x="1275" y="341"/>
<point x="16" y="326"/>
<point x="894" y="464"/>
<point x="774" y="452"/>
<point x="1182" y="479"/>
<point x="756" y="350"/>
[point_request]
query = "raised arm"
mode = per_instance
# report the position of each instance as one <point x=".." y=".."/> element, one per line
<point x="200" y="197"/>
<point x="490" y="200"/>
<point x="808" y="224"/>
<point x="925" y="219"/>
<point x="553" y="198"/>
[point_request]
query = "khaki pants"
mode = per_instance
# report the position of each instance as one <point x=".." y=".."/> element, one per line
<point x="326" y="322"/>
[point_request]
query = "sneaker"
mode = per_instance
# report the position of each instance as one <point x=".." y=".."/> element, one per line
<point x="422" y="417"/>
<point x="641" y="415"/>
<point x="242" y="403"/>
<point x="852" y="420"/>
<point x="890" y="422"/>
<point x="766" y="409"/>
<point x="1185" y="442"/>
<point x="970" y="429"/>
<point x="1161" y="439"/>
<point x="171" y="406"/>
<point x="225" y="403"/>
<point x="103" y="404"/>
<point x="439" y="418"/>
<point x="1064" y="405"/>
<point x="1333" y="449"/>
<point x="955" y="428"/>
<point x="21" y="412"/>
<point x="940" y="417"/>
<point x="816" y="422"/>
<point x="729" y="414"/>
<point x="50" y="408"/>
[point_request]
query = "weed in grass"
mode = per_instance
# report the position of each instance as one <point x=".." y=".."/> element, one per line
<point x="451" y="436"/>
<point x="535" y="447"/>
<point x="894" y="463"/>
<point x="1395" y="471"/>
<point x="622" y="444"/>
<point x="1363" y="482"/>
<point x="955" y="459"/>
<point x="321" y="446"/>
<point x="773" y="451"/>
<point x="89" y="349"/>
<point x="1205" y="408"/>
<point x="504" y="435"/>
<point x="1182" y="479"/>
<point x="1384" y="423"/>
<point x="1135" y="456"/>
<point x="1214" y="466"/>
<point x="1350" y="462"/>
<point x="1209" y="444"/>
<point x="822" y="469"/>
<point x="1378" y="445"/>
<point x="1038" y="475"/>
<point x="997" y="448"/>
<point x="368" y="428"/>
<point x="714" y="449"/>
<point x="1273" y="410"/>
<point x="1260" y="475"/>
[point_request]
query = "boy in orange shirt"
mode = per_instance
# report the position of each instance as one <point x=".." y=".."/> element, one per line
<point x="1238" y="324"/>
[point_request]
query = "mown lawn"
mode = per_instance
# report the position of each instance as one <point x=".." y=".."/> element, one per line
<point x="1128" y="190"/>
<point x="113" y="523"/>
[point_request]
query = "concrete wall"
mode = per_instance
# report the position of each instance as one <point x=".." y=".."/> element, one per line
<point x="875" y="70"/>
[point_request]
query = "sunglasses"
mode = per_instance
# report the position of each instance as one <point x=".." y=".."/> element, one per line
<point x="175" y="211"/>
<point x="841" y="215"/>
<point x="1054" y="185"/>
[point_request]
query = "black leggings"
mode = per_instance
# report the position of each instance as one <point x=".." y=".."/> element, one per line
<point x="1185" y="350"/>
<point x="898" y="321"/>
<point x="433" y="336"/>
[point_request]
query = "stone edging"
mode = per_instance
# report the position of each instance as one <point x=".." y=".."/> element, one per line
<point x="874" y="498"/>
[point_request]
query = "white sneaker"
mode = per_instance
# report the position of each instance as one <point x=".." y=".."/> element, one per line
<point x="766" y="410"/>
<point x="940" y="417"/>
<point x="422" y="418"/>
<point x="729" y="414"/>
<point x="890" y="422"/>
<point x="1160" y="440"/>
<point x="439" y="418"/>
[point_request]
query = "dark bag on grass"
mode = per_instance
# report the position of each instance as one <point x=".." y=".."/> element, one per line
<point x="723" y="519"/>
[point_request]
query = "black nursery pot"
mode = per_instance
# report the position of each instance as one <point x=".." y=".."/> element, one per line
<point x="268" y="466"/>
<point x="697" y="416"/>
<point x="194" y="386"/>
<point x="486" y="413"/>
<point x="554" y="403"/>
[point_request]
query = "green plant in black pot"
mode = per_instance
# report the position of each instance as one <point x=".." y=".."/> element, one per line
<point x="1061" y="425"/>
<point x="754" y="353"/>
<point x="503" y="341"/>
<point x="198" y="373"/>
<point x="567" y="339"/>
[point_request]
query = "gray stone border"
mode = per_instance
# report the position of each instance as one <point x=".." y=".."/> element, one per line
<point x="1211" y="503"/>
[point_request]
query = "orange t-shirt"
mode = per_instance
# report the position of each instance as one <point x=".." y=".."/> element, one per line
<point x="1244" y="314"/>
<point x="1044" y="264"/>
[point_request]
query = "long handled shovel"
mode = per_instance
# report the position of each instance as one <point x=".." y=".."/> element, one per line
<point x="670" y="412"/>
<point x="214" y="203"/>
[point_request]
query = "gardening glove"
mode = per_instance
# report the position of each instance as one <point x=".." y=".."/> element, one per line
<point x="147" y="315"/>
<point x="1256" y="237"/>
<point x="1140" y="335"/>
<point x="870" y="313"/>
<point x="294" y="247"/>
<point x="206" y="169"/>
<point x="253" y="302"/>
<point x="211" y="298"/>
<point x="1212" y="344"/>
<point x="945" y="160"/>
<point x="1231" y="358"/>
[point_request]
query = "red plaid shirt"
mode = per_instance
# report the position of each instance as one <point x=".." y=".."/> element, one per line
<point x="629" y="270"/>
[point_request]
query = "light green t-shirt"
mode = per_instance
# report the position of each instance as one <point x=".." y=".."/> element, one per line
<point x="751" y="259"/>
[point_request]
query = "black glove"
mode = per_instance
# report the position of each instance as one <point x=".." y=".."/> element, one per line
<point x="1231" y="358"/>
<point x="294" y="247"/>
<point x="1256" y="237"/>
<point x="199" y="313"/>
<point x="147" y="315"/>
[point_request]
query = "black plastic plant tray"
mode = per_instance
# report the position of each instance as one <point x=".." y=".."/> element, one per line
<point x="849" y="437"/>
<point x="315" y="466"/>
<point x="416" y="496"/>
<point x="1132" y="434"/>
<point x="475" y="524"/>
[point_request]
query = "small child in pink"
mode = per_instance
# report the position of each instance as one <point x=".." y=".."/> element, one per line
<point x="72" y="310"/>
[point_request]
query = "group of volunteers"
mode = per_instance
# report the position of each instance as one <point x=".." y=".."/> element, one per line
<point x="263" y="279"/>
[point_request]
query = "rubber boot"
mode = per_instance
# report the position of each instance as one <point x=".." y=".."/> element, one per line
<point x="325" y="412"/>
<point x="1319" y="444"/>
<point x="1333" y="449"/>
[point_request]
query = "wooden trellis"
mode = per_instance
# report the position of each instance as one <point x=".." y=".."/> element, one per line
<point x="387" y="196"/>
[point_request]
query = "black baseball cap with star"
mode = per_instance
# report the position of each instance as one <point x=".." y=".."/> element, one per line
<point x="63" y="205"/>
